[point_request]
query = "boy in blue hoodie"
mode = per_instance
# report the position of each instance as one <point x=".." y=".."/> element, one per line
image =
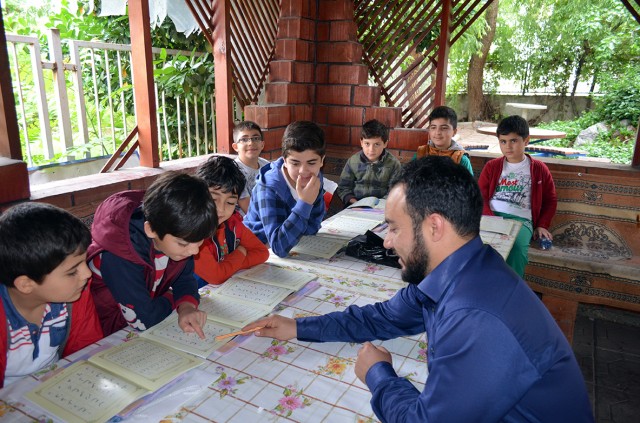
<point x="287" y="201"/>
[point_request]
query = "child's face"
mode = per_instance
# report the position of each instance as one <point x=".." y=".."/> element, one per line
<point x="249" y="145"/>
<point x="372" y="148"/>
<point x="441" y="132"/>
<point x="175" y="248"/>
<point x="303" y="164"/>
<point x="225" y="203"/>
<point x="512" y="146"/>
<point x="67" y="281"/>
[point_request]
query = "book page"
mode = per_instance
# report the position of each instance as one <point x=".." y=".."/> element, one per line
<point x="365" y="202"/>
<point x="147" y="363"/>
<point x="250" y="293"/>
<point x="169" y="332"/>
<point x="84" y="392"/>
<point x="319" y="246"/>
<point x="230" y="312"/>
<point x="274" y="275"/>
<point x="353" y="224"/>
<point x="496" y="224"/>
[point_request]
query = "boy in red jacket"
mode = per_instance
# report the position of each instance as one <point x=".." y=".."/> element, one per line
<point x="233" y="247"/>
<point x="46" y="309"/>
<point x="519" y="187"/>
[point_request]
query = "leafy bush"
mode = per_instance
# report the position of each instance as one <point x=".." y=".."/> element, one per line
<point x="622" y="98"/>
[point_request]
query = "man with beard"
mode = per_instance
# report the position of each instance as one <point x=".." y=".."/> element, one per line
<point x="495" y="353"/>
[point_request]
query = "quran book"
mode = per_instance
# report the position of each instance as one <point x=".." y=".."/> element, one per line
<point x="95" y="390"/>
<point x="243" y="298"/>
<point x="319" y="246"/>
<point x="369" y="202"/>
<point x="496" y="224"/>
<point x="278" y="276"/>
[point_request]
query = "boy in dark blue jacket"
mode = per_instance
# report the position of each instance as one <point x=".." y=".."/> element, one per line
<point x="287" y="201"/>
<point x="141" y="255"/>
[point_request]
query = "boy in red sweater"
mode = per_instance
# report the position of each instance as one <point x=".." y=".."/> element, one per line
<point x="233" y="247"/>
<point x="517" y="186"/>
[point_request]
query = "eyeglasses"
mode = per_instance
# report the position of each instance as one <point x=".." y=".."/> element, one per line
<point x="248" y="140"/>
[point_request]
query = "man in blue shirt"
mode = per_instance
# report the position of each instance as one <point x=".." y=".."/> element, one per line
<point x="495" y="353"/>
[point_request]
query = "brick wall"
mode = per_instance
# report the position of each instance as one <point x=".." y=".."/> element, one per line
<point x="318" y="74"/>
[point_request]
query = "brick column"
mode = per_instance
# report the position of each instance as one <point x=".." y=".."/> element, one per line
<point x="318" y="74"/>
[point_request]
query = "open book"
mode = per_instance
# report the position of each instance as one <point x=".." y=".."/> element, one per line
<point x="243" y="298"/>
<point x="97" y="389"/>
<point x="320" y="246"/>
<point x="370" y="202"/>
<point x="496" y="224"/>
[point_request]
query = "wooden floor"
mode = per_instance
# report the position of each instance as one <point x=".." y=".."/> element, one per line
<point x="606" y="343"/>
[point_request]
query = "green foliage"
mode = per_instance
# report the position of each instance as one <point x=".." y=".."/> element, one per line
<point x="621" y="99"/>
<point x="181" y="77"/>
<point x="615" y="144"/>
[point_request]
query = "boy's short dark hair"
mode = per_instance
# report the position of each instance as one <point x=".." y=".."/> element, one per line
<point x="35" y="238"/>
<point x="245" y="125"/>
<point x="375" y="129"/>
<point x="301" y="136"/>
<point x="180" y="205"/>
<point x="445" y="112"/>
<point x="223" y="173"/>
<point x="515" y="124"/>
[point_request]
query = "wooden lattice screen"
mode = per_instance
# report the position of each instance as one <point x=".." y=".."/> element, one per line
<point x="254" y="24"/>
<point x="400" y="40"/>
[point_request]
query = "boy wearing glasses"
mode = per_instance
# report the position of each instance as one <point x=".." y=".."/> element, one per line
<point x="248" y="143"/>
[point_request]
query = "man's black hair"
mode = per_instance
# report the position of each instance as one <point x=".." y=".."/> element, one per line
<point x="301" y="136"/>
<point x="245" y="125"/>
<point x="223" y="173"/>
<point x="435" y="184"/>
<point x="445" y="112"/>
<point x="35" y="238"/>
<point x="375" y="129"/>
<point x="180" y="205"/>
<point x="515" y="124"/>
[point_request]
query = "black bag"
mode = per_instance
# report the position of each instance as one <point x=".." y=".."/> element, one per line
<point x="369" y="247"/>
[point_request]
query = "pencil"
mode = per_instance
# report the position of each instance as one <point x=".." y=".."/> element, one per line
<point x="239" y="332"/>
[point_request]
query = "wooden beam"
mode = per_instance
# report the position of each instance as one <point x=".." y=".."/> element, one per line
<point x="144" y="92"/>
<point x="635" y="161"/>
<point x="9" y="131"/>
<point x="223" y="80"/>
<point x="444" y="43"/>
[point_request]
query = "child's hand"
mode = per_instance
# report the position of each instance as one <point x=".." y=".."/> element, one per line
<point x="191" y="320"/>
<point x="542" y="232"/>
<point x="309" y="192"/>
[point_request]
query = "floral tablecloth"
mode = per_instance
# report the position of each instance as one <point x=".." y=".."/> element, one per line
<point x="258" y="379"/>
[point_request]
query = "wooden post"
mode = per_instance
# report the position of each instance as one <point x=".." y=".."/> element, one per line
<point x="223" y="81"/>
<point x="635" y="160"/>
<point x="144" y="92"/>
<point x="9" y="131"/>
<point x="444" y="43"/>
<point x="60" y="89"/>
